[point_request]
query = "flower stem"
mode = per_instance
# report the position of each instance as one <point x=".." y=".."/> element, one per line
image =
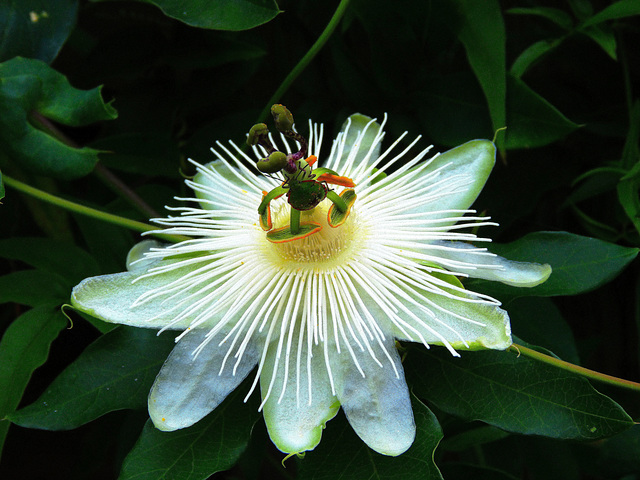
<point x="88" y="211"/>
<point x="570" y="367"/>
<point x="302" y="64"/>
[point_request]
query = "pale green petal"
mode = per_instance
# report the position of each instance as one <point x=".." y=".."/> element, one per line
<point x="110" y="298"/>
<point x="189" y="387"/>
<point x="482" y="325"/>
<point x="517" y="274"/>
<point x="136" y="260"/>
<point x="294" y="423"/>
<point x="229" y="178"/>
<point x="357" y="123"/>
<point x="377" y="405"/>
<point x="474" y="160"/>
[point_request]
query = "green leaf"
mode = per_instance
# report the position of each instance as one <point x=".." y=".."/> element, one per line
<point x="212" y="445"/>
<point x="35" y="28"/>
<point x="220" y="14"/>
<point x="113" y="373"/>
<point x="557" y="16"/>
<point x="24" y="347"/>
<point x="532" y="121"/>
<point x="579" y="264"/>
<point x="31" y="93"/>
<point x="483" y="35"/>
<point x="514" y="393"/>
<point x="619" y="455"/>
<point x="603" y="36"/>
<point x="531" y="55"/>
<point x="621" y="9"/>
<point x="476" y="472"/>
<point x="33" y="287"/>
<point x="630" y="184"/>
<point x="1" y="186"/>
<point x="341" y="454"/>
<point x="539" y="322"/>
<point x="70" y="263"/>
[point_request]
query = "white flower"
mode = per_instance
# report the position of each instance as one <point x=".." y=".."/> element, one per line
<point x="318" y="316"/>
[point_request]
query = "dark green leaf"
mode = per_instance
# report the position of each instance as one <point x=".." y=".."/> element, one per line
<point x="630" y="184"/>
<point x="538" y="321"/>
<point x="532" y="121"/>
<point x="472" y="438"/>
<point x="621" y="9"/>
<point x="220" y="14"/>
<point x="114" y="372"/>
<point x="1" y="187"/>
<point x="454" y="471"/>
<point x="33" y="287"/>
<point x="35" y="28"/>
<point x="514" y="393"/>
<point x="557" y="16"/>
<point x="212" y="445"/>
<point x="580" y="264"/>
<point x="619" y="455"/>
<point x="24" y="347"/>
<point x="67" y="261"/>
<point x="32" y="93"/>
<point x="341" y="454"/>
<point x="531" y="55"/>
<point x="603" y="36"/>
<point x="483" y="35"/>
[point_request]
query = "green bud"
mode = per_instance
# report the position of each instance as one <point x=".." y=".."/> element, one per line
<point x="273" y="164"/>
<point x="283" y="117"/>
<point x="257" y="132"/>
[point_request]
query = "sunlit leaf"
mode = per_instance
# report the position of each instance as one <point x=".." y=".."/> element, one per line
<point x="514" y="393"/>
<point x="341" y="454"/>
<point x="35" y="28"/>
<point x="32" y="93"/>
<point x="212" y="445"/>
<point x="113" y="373"/>
<point x="24" y="347"/>
<point x="220" y="14"/>
<point x="579" y="264"/>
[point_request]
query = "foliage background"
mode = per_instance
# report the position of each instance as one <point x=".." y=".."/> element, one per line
<point x="562" y="76"/>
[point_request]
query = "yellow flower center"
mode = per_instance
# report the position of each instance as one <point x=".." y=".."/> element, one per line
<point x="324" y="250"/>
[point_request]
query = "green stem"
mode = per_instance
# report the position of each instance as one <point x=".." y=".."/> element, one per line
<point x="108" y="178"/>
<point x="88" y="211"/>
<point x="302" y="64"/>
<point x="570" y="367"/>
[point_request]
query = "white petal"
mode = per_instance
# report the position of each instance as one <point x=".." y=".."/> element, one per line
<point x="471" y="162"/>
<point x="357" y="146"/>
<point x="377" y="405"/>
<point x="111" y="298"/>
<point x="496" y="268"/>
<point x="136" y="260"/>
<point x="188" y="387"/>
<point x="295" y="421"/>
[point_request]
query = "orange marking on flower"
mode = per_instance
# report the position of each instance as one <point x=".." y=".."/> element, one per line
<point x="336" y="180"/>
<point x="311" y="160"/>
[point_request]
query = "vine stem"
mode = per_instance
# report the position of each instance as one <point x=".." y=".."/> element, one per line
<point x="88" y="211"/>
<point x="304" y="61"/>
<point x="570" y="367"/>
<point x="105" y="175"/>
